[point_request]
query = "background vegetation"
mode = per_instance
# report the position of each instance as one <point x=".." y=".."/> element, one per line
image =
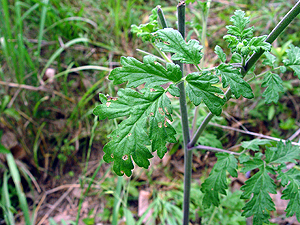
<point x="55" y="57"/>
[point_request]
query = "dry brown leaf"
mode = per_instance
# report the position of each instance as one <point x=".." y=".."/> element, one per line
<point x="9" y="140"/>
<point x="144" y="202"/>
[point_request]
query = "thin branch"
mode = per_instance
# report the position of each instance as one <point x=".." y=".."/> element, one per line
<point x="32" y="88"/>
<point x="253" y="133"/>
<point x="294" y="135"/>
<point x="235" y="120"/>
<point x="212" y="149"/>
<point x="55" y="205"/>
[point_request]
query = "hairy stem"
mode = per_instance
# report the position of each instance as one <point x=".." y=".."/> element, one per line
<point x="250" y="63"/>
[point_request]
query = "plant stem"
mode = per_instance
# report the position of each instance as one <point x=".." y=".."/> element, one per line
<point x="287" y="19"/>
<point x="200" y="129"/>
<point x="185" y="125"/>
<point x="161" y="17"/>
<point x="212" y="216"/>
<point x="250" y="63"/>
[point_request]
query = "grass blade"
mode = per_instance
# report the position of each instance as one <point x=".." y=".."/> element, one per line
<point x="5" y="200"/>
<point x="117" y="201"/>
<point x="17" y="180"/>
<point x="42" y="25"/>
<point x="36" y="143"/>
<point x="20" y="50"/>
<point x="7" y="35"/>
<point x="73" y="18"/>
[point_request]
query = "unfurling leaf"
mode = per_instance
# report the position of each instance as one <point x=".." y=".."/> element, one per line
<point x="144" y="30"/>
<point x="220" y="53"/>
<point x="231" y="76"/>
<point x="239" y="24"/>
<point x="131" y="138"/>
<point x="257" y="43"/>
<point x="293" y="60"/>
<point x="216" y="183"/>
<point x="232" y="40"/>
<point x="149" y="72"/>
<point x="199" y="88"/>
<point x="172" y="41"/>
<point x="270" y="59"/>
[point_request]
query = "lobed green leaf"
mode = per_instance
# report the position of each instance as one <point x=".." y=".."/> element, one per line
<point x="174" y="90"/>
<point x="270" y="59"/>
<point x="273" y="83"/>
<point x="199" y="88"/>
<point x="252" y="164"/>
<point x="144" y="30"/>
<point x="257" y="43"/>
<point x="148" y="107"/>
<point x="282" y="153"/>
<point x="149" y="72"/>
<point x="172" y="41"/>
<point x="231" y="76"/>
<point x="216" y="183"/>
<point x="259" y="206"/>
<point x="255" y="143"/>
<point x="293" y="59"/>
<point x="239" y="24"/>
<point x="291" y="192"/>
<point x="232" y="40"/>
<point x="258" y="188"/>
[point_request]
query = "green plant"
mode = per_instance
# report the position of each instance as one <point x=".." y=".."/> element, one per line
<point x="148" y="126"/>
<point x="5" y="203"/>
